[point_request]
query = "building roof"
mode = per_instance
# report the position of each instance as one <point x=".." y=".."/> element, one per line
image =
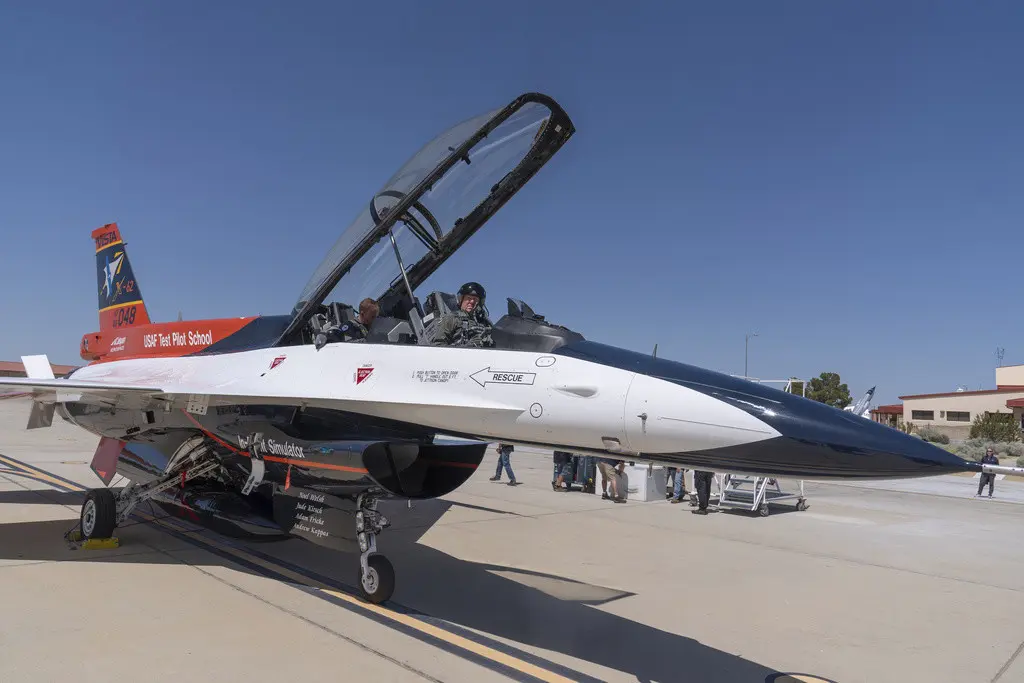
<point x="1015" y="403"/>
<point x="999" y="390"/>
<point x="891" y="409"/>
<point x="18" y="366"/>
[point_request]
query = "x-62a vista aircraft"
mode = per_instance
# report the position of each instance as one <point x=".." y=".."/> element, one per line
<point x="253" y="425"/>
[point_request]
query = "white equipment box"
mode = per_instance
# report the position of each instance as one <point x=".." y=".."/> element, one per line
<point x="646" y="483"/>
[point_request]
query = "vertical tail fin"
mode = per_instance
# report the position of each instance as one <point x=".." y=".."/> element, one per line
<point x="120" y="300"/>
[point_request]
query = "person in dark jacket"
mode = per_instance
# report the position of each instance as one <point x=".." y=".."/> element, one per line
<point x="702" y="482"/>
<point x="986" y="477"/>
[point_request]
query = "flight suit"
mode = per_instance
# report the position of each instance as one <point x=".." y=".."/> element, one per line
<point x="349" y="331"/>
<point x="352" y="331"/>
<point x="458" y="328"/>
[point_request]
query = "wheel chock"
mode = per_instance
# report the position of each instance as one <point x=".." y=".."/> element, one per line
<point x="74" y="541"/>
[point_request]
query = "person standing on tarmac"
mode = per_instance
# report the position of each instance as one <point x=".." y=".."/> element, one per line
<point x="504" y="460"/>
<point x="468" y="326"/>
<point x="702" y="482"/>
<point x="987" y="477"/>
<point x="679" y="486"/>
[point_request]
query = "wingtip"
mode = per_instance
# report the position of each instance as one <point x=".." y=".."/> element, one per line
<point x="37" y="367"/>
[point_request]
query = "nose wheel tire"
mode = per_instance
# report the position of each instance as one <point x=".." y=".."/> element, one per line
<point x="99" y="514"/>
<point x="378" y="581"/>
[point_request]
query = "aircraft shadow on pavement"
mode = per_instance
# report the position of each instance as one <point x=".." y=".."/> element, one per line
<point x="531" y="608"/>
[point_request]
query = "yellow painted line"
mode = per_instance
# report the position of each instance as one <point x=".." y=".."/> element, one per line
<point x="458" y="641"/>
<point x="25" y="475"/>
<point x="127" y="303"/>
<point x="37" y="474"/>
<point x="406" y="620"/>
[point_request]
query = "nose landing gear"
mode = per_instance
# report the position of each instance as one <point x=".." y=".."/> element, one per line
<point x="376" y="574"/>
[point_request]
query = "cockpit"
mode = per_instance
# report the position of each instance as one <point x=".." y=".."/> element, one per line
<point x="424" y="213"/>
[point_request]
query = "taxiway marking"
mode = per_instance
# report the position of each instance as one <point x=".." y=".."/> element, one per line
<point x="486" y="652"/>
<point x="26" y="470"/>
<point x="458" y="641"/>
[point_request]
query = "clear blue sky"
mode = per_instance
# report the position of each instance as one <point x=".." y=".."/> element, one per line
<point x="844" y="179"/>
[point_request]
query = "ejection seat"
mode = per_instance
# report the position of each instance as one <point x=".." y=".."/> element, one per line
<point x="435" y="306"/>
<point x="521" y="329"/>
<point x="326" y="324"/>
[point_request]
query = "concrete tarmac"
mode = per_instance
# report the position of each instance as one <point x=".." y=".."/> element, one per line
<point x="893" y="581"/>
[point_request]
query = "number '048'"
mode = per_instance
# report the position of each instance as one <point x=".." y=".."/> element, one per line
<point x="124" y="316"/>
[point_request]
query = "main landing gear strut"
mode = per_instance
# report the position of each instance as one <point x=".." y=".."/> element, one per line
<point x="103" y="510"/>
<point x="376" y="575"/>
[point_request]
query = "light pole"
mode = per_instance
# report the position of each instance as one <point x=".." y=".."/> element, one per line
<point x="746" y="352"/>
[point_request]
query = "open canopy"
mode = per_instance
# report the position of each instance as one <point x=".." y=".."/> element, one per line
<point x="432" y="205"/>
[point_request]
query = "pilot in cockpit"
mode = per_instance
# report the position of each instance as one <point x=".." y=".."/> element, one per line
<point x="469" y="325"/>
<point x="351" y="330"/>
<point x="357" y="329"/>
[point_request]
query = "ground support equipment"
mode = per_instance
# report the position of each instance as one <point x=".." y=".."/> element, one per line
<point x="756" y="493"/>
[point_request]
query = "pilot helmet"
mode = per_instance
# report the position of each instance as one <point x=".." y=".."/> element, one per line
<point x="474" y="288"/>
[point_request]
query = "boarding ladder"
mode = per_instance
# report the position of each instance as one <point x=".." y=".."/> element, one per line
<point x="753" y="493"/>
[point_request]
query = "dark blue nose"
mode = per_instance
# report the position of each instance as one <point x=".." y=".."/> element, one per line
<point x="821" y="442"/>
<point x="817" y="441"/>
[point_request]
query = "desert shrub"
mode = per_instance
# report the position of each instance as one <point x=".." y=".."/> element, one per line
<point x="969" y="451"/>
<point x="974" y="449"/>
<point x="1020" y="462"/>
<point x="995" y="427"/>
<point x="929" y="433"/>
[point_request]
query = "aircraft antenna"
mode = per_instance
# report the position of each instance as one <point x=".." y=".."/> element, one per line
<point x="655" y="354"/>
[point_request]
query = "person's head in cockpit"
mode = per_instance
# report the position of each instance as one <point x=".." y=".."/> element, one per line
<point x="471" y="295"/>
<point x="368" y="312"/>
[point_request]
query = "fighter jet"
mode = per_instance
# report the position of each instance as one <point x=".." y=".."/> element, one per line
<point x="863" y="406"/>
<point x="254" y="425"/>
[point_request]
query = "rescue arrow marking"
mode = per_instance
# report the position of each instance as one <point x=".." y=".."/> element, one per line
<point x="488" y="376"/>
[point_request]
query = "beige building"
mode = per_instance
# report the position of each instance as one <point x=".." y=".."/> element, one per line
<point x="16" y="369"/>
<point x="951" y="413"/>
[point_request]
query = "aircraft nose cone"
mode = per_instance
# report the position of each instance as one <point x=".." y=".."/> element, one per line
<point x="821" y="442"/>
<point x="815" y="441"/>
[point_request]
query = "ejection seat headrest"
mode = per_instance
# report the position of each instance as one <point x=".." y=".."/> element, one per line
<point x="440" y="303"/>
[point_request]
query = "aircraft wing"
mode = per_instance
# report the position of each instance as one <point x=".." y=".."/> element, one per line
<point x="47" y="391"/>
<point x="71" y="386"/>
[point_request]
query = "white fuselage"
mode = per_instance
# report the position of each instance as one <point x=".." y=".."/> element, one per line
<point x="514" y="396"/>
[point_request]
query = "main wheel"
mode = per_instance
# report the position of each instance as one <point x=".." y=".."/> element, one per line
<point x="802" y="505"/>
<point x="379" y="581"/>
<point x="763" y="510"/>
<point x="99" y="514"/>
